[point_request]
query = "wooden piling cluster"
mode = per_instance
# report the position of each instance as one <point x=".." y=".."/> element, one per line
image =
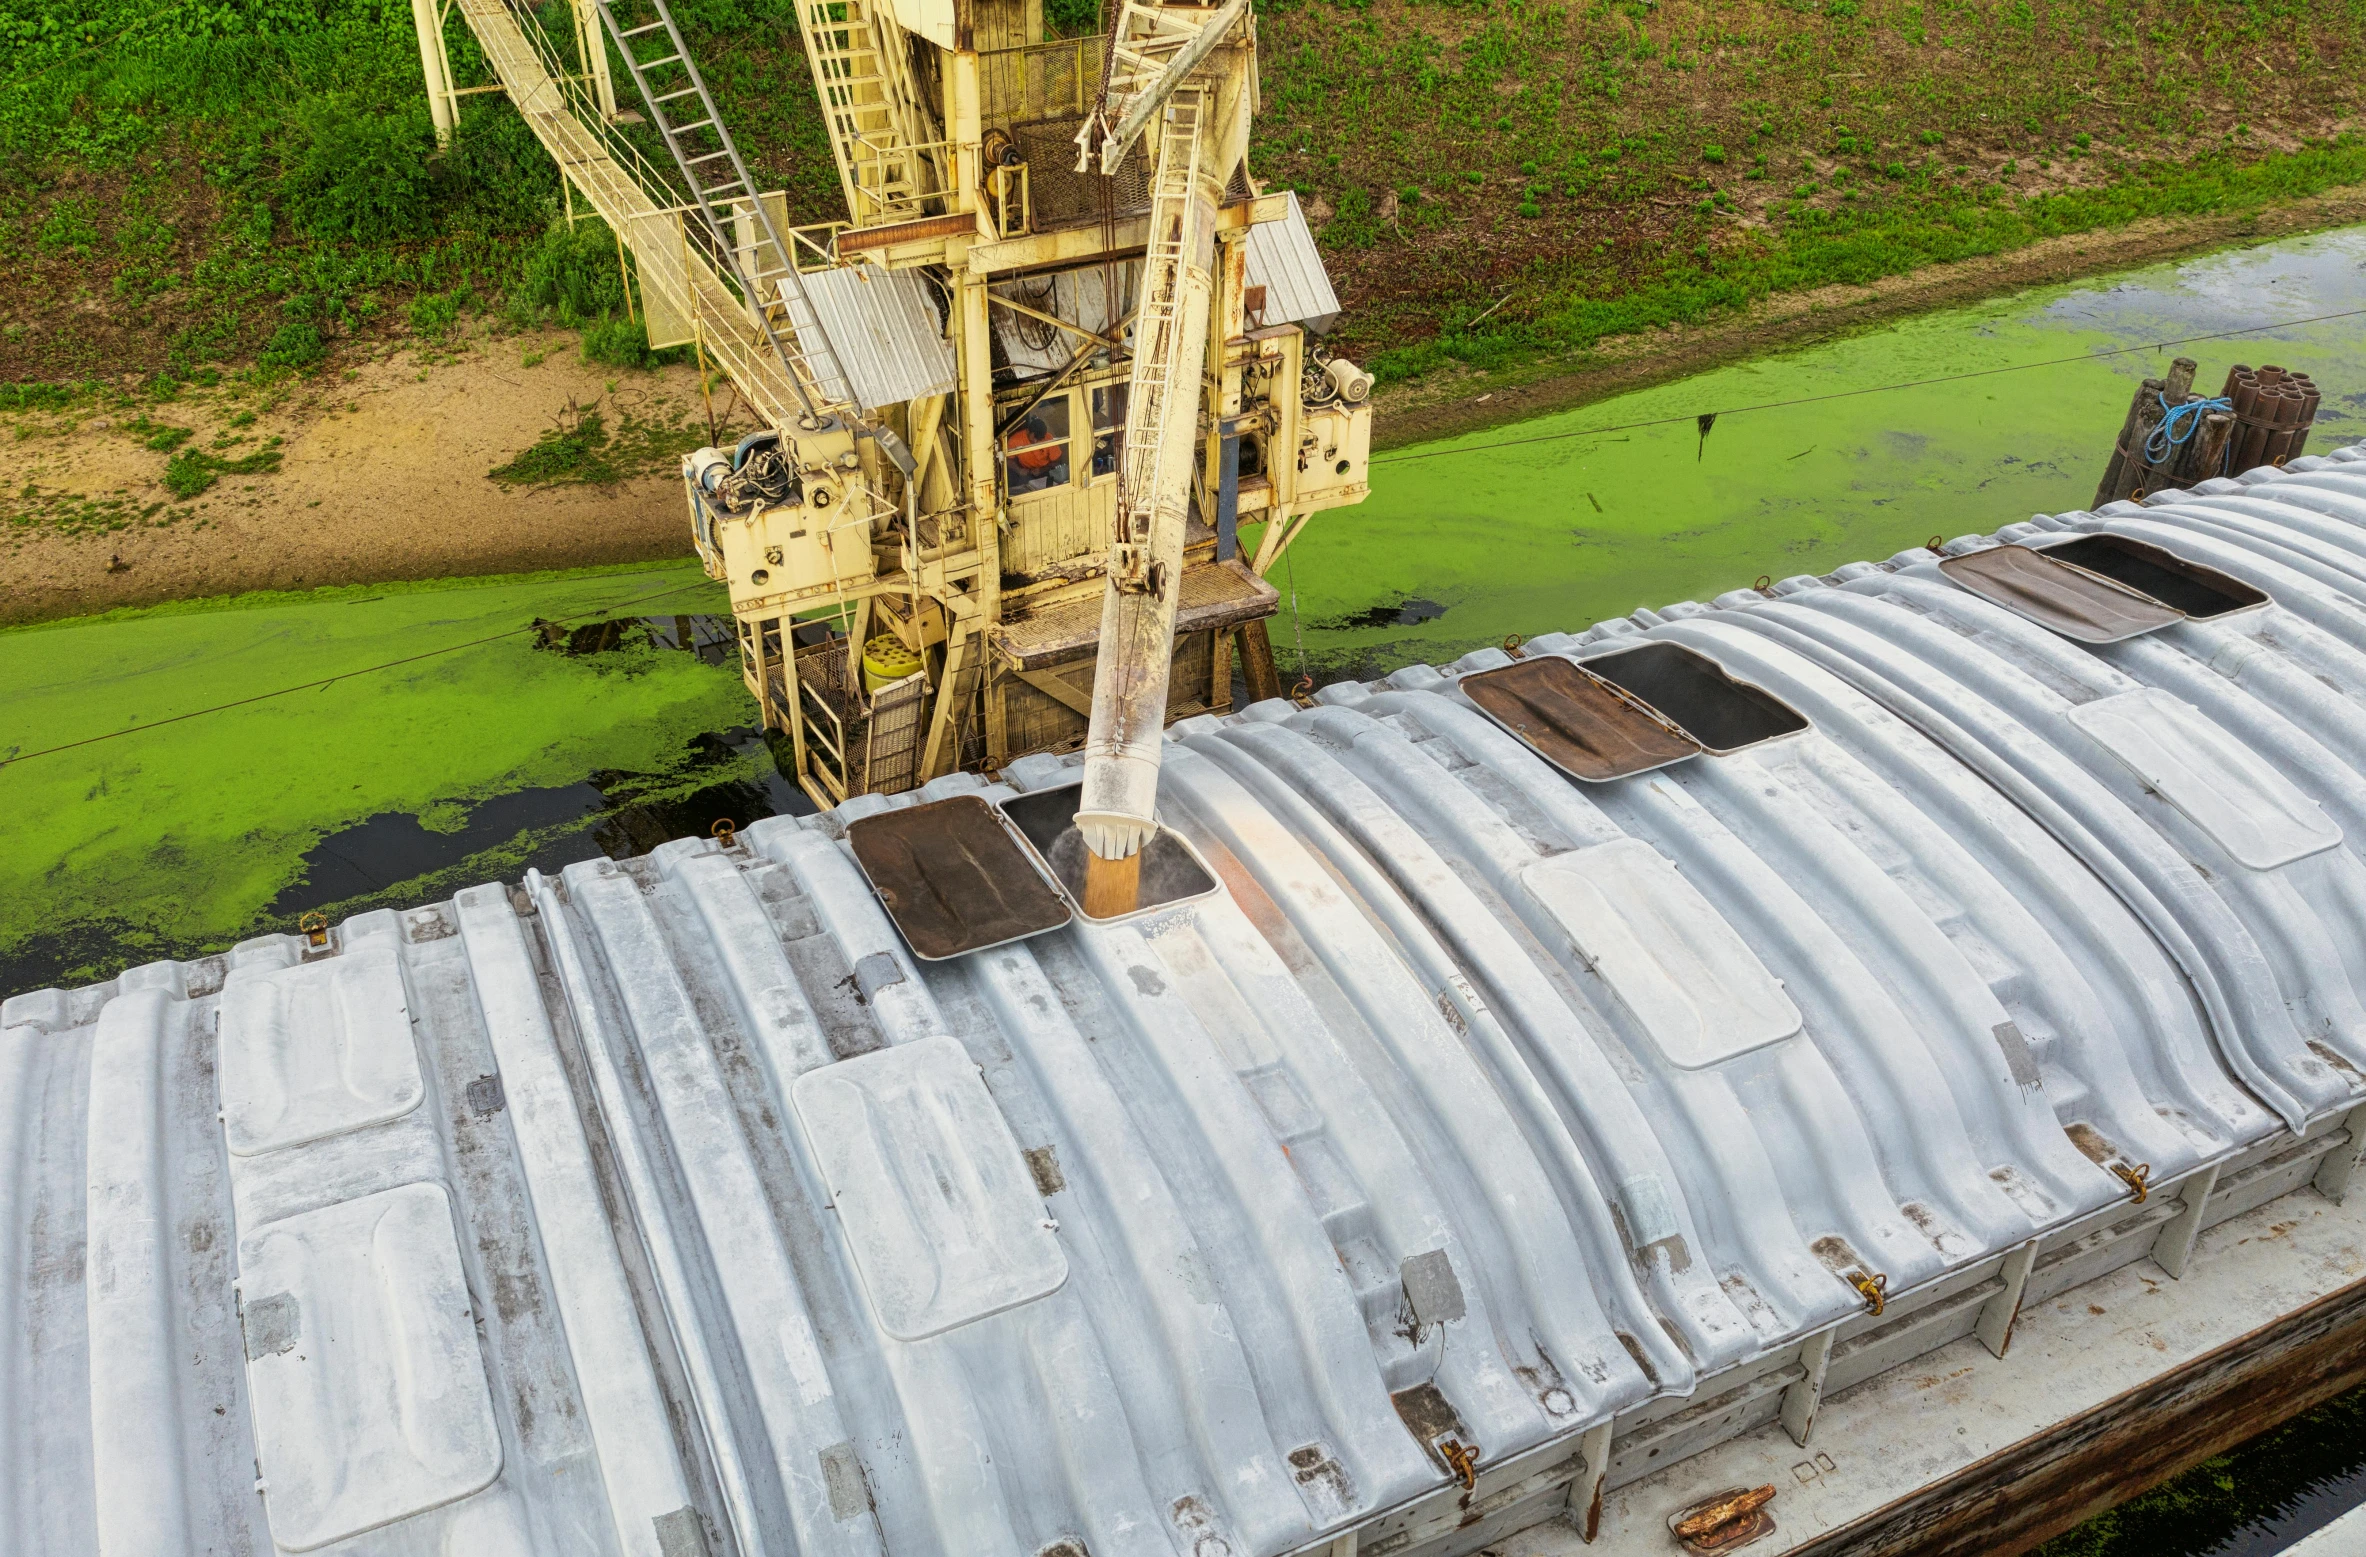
<point x="2261" y="417"/>
<point x="2274" y="411"/>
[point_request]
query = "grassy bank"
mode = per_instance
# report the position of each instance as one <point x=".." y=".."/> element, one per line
<point x="188" y="187"/>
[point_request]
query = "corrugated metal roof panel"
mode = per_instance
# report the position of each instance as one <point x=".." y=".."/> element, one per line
<point x="720" y="1217"/>
<point x="884" y="328"/>
<point x="1282" y="258"/>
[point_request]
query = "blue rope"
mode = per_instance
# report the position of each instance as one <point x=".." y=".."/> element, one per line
<point x="2177" y="426"/>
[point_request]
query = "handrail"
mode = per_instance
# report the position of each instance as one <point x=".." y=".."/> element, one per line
<point x="639" y="204"/>
<point x="1006" y="76"/>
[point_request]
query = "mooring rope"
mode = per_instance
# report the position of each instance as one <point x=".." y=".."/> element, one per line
<point x="2177" y="426"/>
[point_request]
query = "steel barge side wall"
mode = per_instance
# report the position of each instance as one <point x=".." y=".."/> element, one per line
<point x="1488" y="1141"/>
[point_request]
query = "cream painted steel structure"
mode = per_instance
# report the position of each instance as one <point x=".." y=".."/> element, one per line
<point x="893" y="415"/>
<point x="1487" y="1142"/>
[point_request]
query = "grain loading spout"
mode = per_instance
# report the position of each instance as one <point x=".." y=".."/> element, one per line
<point x="1119" y="800"/>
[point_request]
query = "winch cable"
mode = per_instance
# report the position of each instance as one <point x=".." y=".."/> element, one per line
<point x="1873" y="389"/>
<point x="344" y="675"/>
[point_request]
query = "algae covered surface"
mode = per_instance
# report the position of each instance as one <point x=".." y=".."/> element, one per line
<point x="1526" y="529"/>
<point x="182" y="836"/>
<point x="399" y="782"/>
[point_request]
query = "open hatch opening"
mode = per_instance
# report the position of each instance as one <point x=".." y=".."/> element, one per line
<point x="1171" y="872"/>
<point x="2199" y="592"/>
<point x="954" y="878"/>
<point x="1693" y="692"/>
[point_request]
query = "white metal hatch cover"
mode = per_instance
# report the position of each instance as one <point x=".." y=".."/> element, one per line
<point x="938" y="1206"/>
<point x="1682" y="973"/>
<point x="315" y="1049"/>
<point x="369" y="1395"/>
<point x="2221" y="785"/>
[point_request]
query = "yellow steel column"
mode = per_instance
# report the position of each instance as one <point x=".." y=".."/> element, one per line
<point x="1281" y="455"/>
<point x="593" y="45"/>
<point x="980" y="459"/>
<point x="427" y="19"/>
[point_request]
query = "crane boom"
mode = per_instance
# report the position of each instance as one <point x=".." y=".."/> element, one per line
<point x="1128" y="721"/>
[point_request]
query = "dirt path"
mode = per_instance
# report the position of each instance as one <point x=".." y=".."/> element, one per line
<point x="383" y="463"/>
<point x="383" y="475"/>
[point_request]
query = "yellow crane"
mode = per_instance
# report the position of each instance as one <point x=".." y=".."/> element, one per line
<point x="1017" y="407"/>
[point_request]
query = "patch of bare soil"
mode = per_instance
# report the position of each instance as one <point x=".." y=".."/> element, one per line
<point x="382" y="475"/>
<point x="1446" y="405"/>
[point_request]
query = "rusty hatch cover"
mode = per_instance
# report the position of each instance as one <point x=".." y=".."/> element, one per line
<point x="1577" y="721"/>
<point x="954" y="877"/>
<point x="2082" y="606"/>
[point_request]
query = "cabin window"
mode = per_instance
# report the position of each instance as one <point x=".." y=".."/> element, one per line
<point x="1109" y="403"/>
<point x="1035" y="453"/>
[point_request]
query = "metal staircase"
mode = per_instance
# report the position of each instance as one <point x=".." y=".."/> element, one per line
<point x="726" y="197"/>
<point x="637" y="203"/>
<point x="872" y="108"/>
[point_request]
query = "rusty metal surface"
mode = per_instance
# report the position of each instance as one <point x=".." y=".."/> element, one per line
<point x="1214" y="595"/>
<point x="953" y="878"/>
<point x="1577" y="721"/>
<point x="2082" y="606"/>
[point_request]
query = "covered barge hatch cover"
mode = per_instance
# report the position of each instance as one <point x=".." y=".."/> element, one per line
<point x="954" y="878"/>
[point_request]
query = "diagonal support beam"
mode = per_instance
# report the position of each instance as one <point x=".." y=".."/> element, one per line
<point x="1135" y="116"/>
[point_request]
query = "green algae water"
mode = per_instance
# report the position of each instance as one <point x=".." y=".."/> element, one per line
<point x="1462" y="544"/>
<point x="446" y="746"/>
<point x="133" y="838"/>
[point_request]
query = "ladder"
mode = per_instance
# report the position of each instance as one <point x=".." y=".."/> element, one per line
<point x="685" y="115"/>
<point x="1165" y="360"/>
<point x="871" y="107"/>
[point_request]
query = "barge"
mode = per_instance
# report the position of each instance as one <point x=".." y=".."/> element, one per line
<point x="1895" y="1038"/>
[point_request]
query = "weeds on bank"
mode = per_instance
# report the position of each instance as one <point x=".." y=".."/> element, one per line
<point x="580" y="449"/>
<point x="38" y="509"/>
<point x="1596" y="167"/>
<point x="1493" y="180"/>
<point x="192" y="471"/>
<point x="252" y="185"/>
